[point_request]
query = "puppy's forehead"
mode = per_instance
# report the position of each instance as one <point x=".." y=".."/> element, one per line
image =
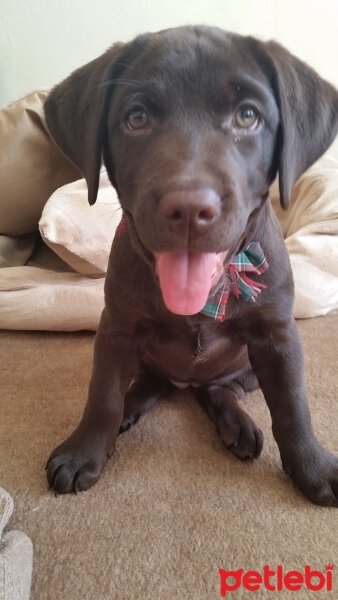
<point x="197" y="49"/>
<point x="195" y="59"/>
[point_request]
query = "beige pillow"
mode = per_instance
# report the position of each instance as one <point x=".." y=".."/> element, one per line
<point x="310" y="228"/>
<point x="31" y="165"/>
<point x="35" y="298"/>
<point x="78" y="233"/>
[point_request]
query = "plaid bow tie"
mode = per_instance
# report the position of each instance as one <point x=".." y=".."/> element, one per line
<point x="237" y="282"/>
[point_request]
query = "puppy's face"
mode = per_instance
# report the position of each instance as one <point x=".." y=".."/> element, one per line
<point x="191" y="138"/>
<point x="191" y="134"/>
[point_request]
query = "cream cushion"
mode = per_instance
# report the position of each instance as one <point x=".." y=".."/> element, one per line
<point x="310" y="228"/>
<point x="78" y="233"/>
<point x="31" y="165"/>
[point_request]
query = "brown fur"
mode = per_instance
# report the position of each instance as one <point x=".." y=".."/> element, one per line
<point x="187" y="162"/>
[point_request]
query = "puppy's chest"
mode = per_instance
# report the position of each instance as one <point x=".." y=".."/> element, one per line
<point x="197" y="352"/>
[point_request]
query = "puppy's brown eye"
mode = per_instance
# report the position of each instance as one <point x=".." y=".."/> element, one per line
<point x="137" y="118"/>
<point x="246" y="117"/>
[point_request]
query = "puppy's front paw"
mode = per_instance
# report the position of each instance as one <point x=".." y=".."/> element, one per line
<point x="240" y="434"/>
<point x="316" y="475"/>
<point x="75" y="465"/>
<point x="129" y="421"/>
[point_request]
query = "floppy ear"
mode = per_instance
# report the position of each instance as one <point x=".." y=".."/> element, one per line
<point x="308" y="108"/>
<point x="76" y="110"/>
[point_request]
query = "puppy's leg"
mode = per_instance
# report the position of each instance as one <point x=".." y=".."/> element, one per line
<point x="277" y="360"/>
<point x="237" y="430"/>
<point x="145" y="390"/>
<point x="77" y="463"/>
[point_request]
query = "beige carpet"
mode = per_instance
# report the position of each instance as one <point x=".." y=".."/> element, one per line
<point x="172" y="507"/>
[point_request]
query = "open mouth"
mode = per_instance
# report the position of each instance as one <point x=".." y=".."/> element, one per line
<point x="186" y="278"/>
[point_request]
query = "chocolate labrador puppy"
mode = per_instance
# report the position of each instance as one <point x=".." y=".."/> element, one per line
<point x="193" y="125"/>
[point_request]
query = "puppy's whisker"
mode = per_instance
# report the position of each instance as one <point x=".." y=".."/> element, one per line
<point x="119" y="81"/>
<point x="137" y="180"/>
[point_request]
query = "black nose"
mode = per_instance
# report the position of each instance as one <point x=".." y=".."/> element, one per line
<point x="191" y="212"/>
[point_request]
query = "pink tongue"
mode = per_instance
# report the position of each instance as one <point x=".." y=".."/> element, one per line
<point x="185" y="280"/>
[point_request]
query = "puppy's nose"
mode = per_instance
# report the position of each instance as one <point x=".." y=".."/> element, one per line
<point x="192" y="212"/>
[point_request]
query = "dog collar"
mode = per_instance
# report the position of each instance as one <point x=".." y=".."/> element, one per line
<point x="237" y="282"/>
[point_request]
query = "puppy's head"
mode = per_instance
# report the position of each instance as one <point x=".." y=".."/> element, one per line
<point x="193" y="125"/>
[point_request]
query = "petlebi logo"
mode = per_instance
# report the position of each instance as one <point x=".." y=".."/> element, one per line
<point x="275" y="580"/>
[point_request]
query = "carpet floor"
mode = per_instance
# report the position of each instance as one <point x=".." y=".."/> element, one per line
<point x="172" y="507"/>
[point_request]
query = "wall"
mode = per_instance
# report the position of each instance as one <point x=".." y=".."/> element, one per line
<point x="41" y="41"/>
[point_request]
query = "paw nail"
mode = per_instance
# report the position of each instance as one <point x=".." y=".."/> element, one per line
<point x="234" y="445"/>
